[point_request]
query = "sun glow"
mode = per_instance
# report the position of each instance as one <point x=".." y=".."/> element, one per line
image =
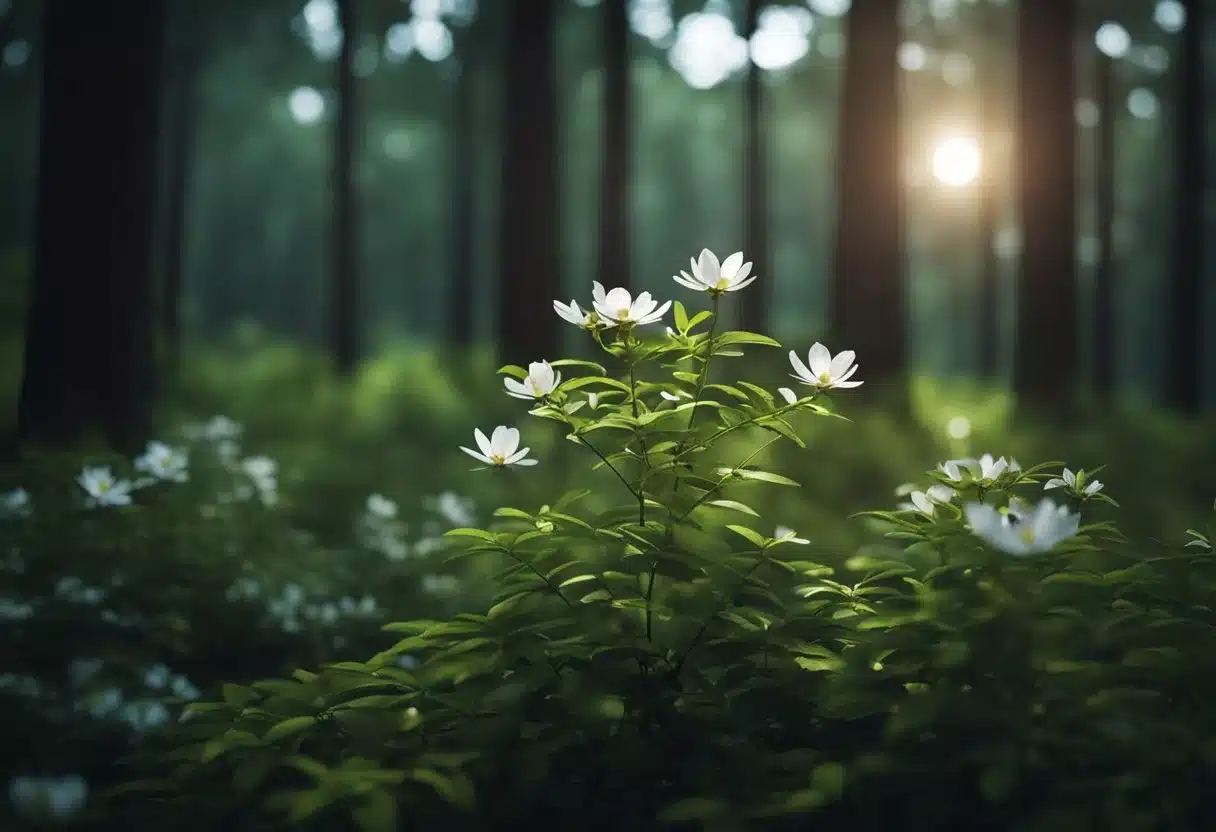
<point x="956" y="160"/>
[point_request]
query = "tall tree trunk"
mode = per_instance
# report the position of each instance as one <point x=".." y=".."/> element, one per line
<point x="1045" y="358"/>
<point x="1184" y="380"/>
<point x="460" y="171"/>
<point x="182" y="124"/>
<point x="755" y="303"/>
<point x="1104" y="275"/>
<point x="531" y="261"/>
<point x="617" y="142"/>
<point x="89" y="337"/>
<point x="344" y="275"/>
<point x="868" y="308"/>
<point x="989" y="300"/>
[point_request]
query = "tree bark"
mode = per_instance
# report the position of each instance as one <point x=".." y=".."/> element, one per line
<point x="182" y="125"/>
<point x="1184" y="378"/>
<point x="1045" y="356"/>
<point x="756" y="302"/>
<point x="344" y="276"/>
<point x="1104" y="275"/>
<point x="89" y="364"/>
<point x="460" y="161"/>
<point x="868" y="308"/>
<point x="530" y="237"/>
<point x="617" y="143"/>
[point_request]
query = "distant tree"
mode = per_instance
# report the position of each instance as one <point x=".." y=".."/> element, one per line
<point x="755" y="304"/>
<point x="1045" y="353"/>
<point x="344" y="274"/>
<point x="1104" y="210"/>
<point x="530" y="236"/>
<point x="461" y="152"/>
<point x="89" y="336"/>
<point x="616" y="146"/>
<point x="180" y="131"/>
<point x="868" y="310"/>
<point x="1184" y="377"/>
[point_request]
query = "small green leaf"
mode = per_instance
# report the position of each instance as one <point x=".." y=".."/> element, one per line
<point x="734" y="504"/>
<point x="481" y="534"/>
<point x="289" y="727"/>
<point x="513" y="370"/>
<point x="681" y="317"/>
<point x="753" y="537"/>
<point x="765" y="476"/>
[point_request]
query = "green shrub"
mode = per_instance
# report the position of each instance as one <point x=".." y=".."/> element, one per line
<point x="657" y="655"/>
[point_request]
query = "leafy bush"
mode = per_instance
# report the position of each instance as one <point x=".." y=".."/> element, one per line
<point x="657" y="655"/>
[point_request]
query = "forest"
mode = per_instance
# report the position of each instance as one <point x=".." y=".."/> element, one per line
<point x="607" y="414"/>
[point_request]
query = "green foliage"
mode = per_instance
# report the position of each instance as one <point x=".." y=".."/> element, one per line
<point x="654" y="657"/>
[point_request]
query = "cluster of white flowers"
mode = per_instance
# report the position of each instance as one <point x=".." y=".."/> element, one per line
<point x="619" y="308"/>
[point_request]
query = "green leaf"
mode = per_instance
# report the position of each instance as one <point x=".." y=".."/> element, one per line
<point x="513" y="512"/>
<point x="480" y="534"/>
<point x="697" y="318"/>
<point x="730" y="339"/>
<point x="734" y="504"/>
<point x="753" y="537"/>
<point x="378" y="813"/>
<point x="289" y="727"/>
<point x="513" y="370"/>
<point x="576" y="362"/>
<point x="681" y="316"/>
<point x="765" y="476"/>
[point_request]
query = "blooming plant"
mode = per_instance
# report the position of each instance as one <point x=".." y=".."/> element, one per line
<point x="652" y="656"/>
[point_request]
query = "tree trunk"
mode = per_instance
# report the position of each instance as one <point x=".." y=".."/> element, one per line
<point x="1184" y="380"/>
<point x="1045" y="357"/>
<point x="460" y="171"/>
<point x="989" y="300"/>
<point x="531" y="263"/>
<point x="617" y="142"/>
<point x="182" y="126"/>
<point x="344" y="276"/>
<point x="89" y="337"/>
<point x="1104" y="275"/>
<point x="868" y="309"/>
<point x="755" y="303"/>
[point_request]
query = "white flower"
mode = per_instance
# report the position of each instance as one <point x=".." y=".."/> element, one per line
<point x="264" y="472"/>
<point x="952" y="469"/>
<point x="708" y="275"/>
<point x="164" y="463"/>
<point x="1075" y="483"/>
<point x="103" y="489"/>
<point x="789" y="395"/>
<point x="985" y="469"/>
<point x="215" y="429"/>
<point x="593" y="400"/>
<point x="575" y="315"/>
<point x="1013" y="466"/>
<point x="501" y="449"/>
<point x="541" y="382"/>
<point x="785" y="534"/>
<point x="825" y="372"/>
<point x="619" y="307"/>
<point x="675" y="397"/>
<point x="1023" y="530"/>
<point x="15" y="503"/>
<point x="381" y="507"/>
<point x="925" y="501"/>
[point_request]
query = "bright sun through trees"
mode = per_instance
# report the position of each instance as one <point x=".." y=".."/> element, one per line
<point x="956" y="160"/>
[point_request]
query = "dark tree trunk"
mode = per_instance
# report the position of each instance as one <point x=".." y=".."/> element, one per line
<point x="989" y="300"/>
<point x="755" y="302"/>
<point x="344" y="276"/>
<point x="182" y="123"/>
<point x="460" y="171"/>
<point x="1104" y="275"/>
<point x="617" y="142"/>
<point x="868" y="303"/>
<point x="89" y="337"/>
<point x="530" y="265"/>
<point x="1045" y="357"/>
<point x="1184" y="380"/>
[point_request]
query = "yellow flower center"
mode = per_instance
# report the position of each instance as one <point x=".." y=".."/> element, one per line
<point x="1026" y="535"/>
<point x="722" y="285"/>
<point x="825" y="378"/>
<point x="498" y="459"/>
<point x="103" y="486"/>
<point x="622" y="314"/>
